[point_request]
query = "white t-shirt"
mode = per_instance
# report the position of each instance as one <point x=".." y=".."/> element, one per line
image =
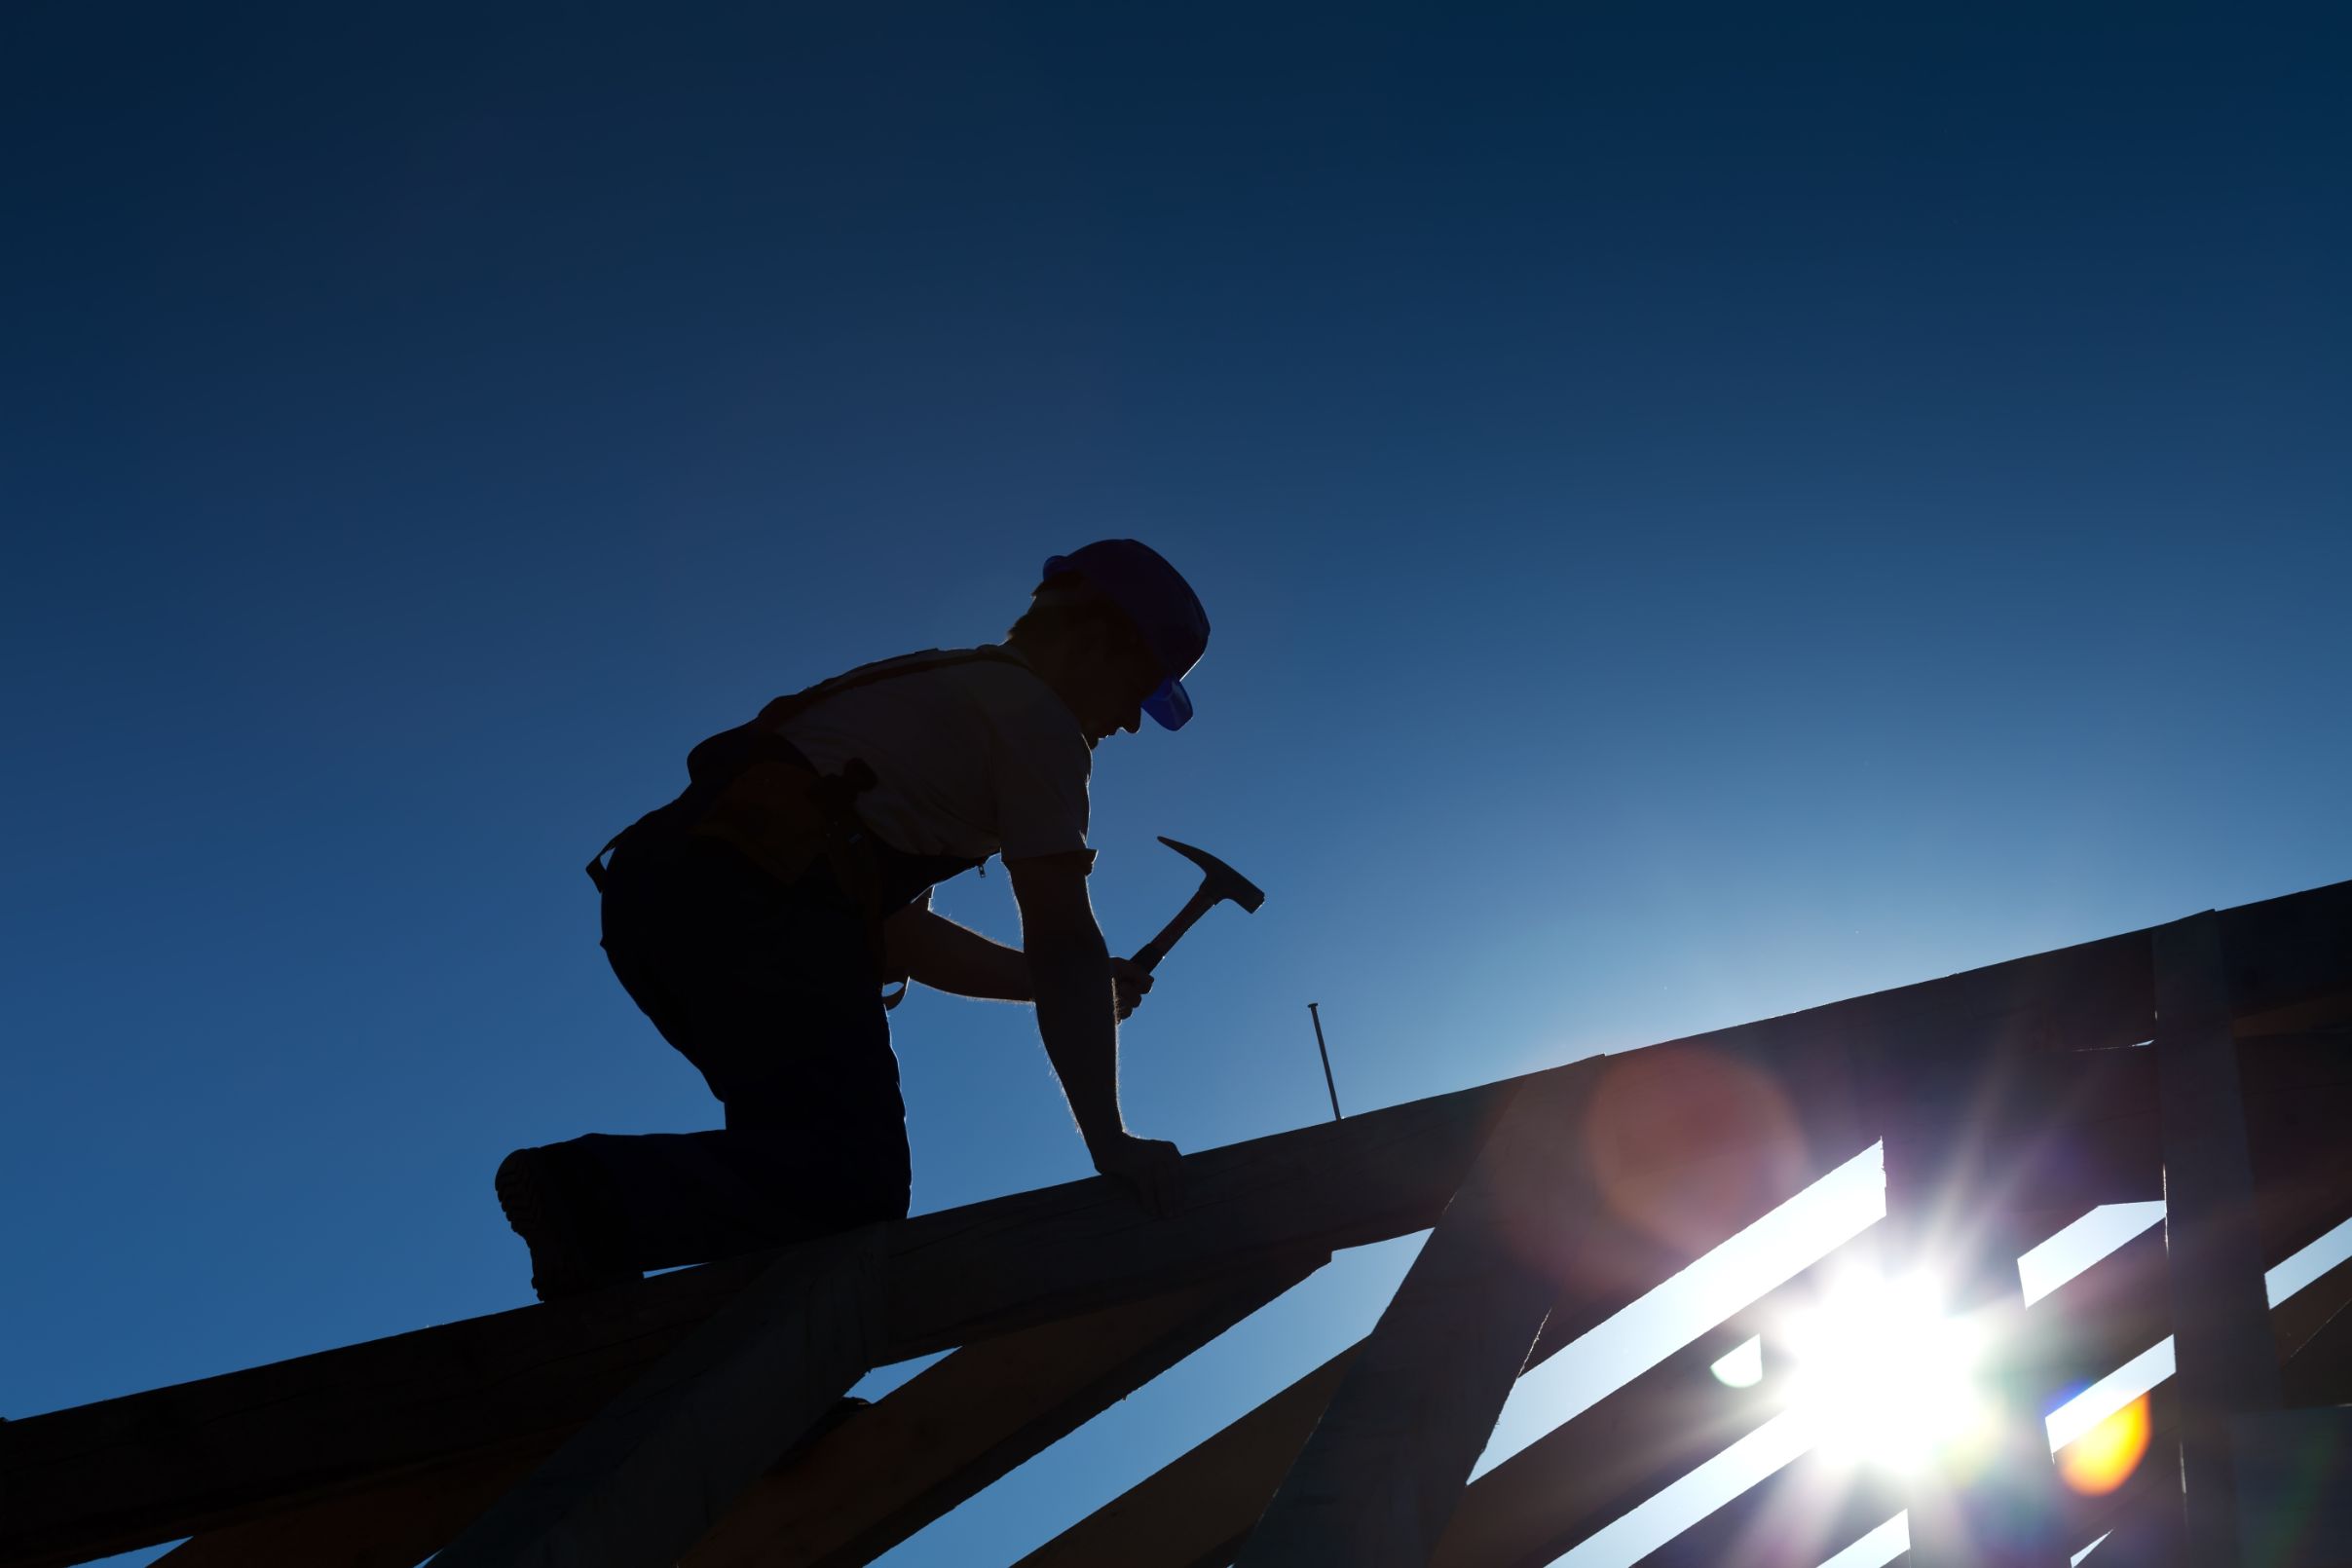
<point x="976" y="759"/>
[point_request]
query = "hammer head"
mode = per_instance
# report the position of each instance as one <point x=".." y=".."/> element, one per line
<point x="1219" y="880"/>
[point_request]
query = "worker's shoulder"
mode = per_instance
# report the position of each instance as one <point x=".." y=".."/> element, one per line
<point x="996" y="671"/>
<point x="997" y="675"/>
<point x="1018" y="701"/>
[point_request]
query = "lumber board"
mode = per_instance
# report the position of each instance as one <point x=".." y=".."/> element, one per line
<point x="2320" y="1371"/>
<point x="2298" y="1098"/>
<point x="2142" y="1517"/>
<point x="1998" y="1508"/>
<point x="2095" y="1322"/>
<point x="1380" y="1476"/>
<point x="650" y="1475"/>
<point x="1592" y="1469"/>
<point x="960" y="1425"/>
<point x="866" y="1478"/>
<point x="1194" y="1511"/>
<point x="204" y="1456"/>
<point x="1797" y="1517"/>
<point x="199" y="1456"/>
<point x="2293" y="1473"/>
<point x="1550" y="1496"/>
<point x="2145" y="1513"/>
<point x="396" y="1524"/>
<point x="2081" y="1330"/>
<point x="2225" y="1364"/>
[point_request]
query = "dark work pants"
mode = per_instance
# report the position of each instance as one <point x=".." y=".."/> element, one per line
<point x="769" y="991"/>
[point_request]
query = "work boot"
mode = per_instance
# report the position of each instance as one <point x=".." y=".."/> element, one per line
<point x="552" y="1198"/>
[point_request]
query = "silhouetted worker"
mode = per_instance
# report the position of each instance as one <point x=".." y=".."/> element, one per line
<point x="757" y="918"/>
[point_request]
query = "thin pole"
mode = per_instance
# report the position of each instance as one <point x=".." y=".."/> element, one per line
<point x="1325" y="1052"/>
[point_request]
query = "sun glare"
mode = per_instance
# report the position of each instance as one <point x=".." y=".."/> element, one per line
<point x="1883" y="1377"/>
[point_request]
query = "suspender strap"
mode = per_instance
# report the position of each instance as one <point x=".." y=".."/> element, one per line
<point x="784" y="709"/>
<point x="715" y="763"/>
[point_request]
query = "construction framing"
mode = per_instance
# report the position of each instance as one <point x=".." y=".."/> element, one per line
<point x="686" y="1418"/>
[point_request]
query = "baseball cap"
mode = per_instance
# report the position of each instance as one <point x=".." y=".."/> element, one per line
<point x="1155" y="596"/>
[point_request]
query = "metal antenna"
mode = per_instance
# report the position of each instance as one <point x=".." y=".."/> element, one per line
<point x="1325" y="1052"/>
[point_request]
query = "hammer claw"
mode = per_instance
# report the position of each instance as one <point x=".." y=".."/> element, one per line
<point x="1218" y="881"/>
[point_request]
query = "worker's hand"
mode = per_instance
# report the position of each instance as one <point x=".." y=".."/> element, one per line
<point x="1152" y="1165"/>
<point x="1128" y="984"/>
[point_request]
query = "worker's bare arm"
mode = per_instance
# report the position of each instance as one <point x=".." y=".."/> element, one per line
<point x="1071" y="971"/>
<point x="933" y="951"/>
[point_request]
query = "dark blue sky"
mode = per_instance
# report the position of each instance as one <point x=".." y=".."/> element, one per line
<point x="1705" y="512"/>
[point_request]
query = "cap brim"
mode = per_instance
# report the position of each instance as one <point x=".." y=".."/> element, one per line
<point x="1170" y="706"/>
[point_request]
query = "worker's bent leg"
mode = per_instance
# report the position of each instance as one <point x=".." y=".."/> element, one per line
<point x="690" y="1197"/>
<point x="768" y="993"/>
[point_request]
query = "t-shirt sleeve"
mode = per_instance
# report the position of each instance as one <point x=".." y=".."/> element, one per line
<point x="1041" y="766"/>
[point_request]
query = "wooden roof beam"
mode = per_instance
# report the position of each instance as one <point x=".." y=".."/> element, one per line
<point x="1381" y="1475"/>
<point x="960" y="1425"/>
<point x="156" y="1465"/>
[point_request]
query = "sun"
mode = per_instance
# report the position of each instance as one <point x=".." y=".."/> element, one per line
<point x="1883" y="1377"/>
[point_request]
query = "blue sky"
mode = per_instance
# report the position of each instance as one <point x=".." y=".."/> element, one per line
<point x="1704" y="514"/>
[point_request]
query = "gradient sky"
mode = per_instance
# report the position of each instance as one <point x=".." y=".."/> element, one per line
<point x="1705" y="513"/>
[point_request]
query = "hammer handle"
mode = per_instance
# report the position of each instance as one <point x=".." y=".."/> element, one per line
<point x="1147" y="956"/>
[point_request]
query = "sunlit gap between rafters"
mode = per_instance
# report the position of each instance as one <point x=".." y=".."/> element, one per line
<point x="1735" y="1276"/>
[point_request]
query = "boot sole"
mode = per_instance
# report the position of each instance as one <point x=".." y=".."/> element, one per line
<point x="546" y="1224"/>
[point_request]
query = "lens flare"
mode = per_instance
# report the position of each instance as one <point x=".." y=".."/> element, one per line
<point x="2104" y="1458"/>
<point x="1881" y="1375"/>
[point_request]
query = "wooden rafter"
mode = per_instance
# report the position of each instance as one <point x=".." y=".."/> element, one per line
<point x="228" y="1450"/>
<point x="1379" y="1478"/>
<point x="2221" y="1344"/>
<point x="1559" y="1490"/>
<point x="274" y="1441"/>
<point x="961" y="1423"/>
<point x="656" y="1468"/>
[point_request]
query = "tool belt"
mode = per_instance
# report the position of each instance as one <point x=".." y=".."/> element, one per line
<point x="752" y="790"/>
<point x="783" y="816"/>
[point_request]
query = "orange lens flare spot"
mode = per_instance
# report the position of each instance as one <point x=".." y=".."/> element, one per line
<point x="2104" y="1458"/>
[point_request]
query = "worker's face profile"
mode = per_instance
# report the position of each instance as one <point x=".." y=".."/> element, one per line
<point x="1116" y="685"/>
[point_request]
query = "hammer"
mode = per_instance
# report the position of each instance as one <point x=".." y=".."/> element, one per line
<point x="1218" y="881"/>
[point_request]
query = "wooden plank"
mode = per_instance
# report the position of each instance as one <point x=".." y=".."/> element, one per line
<point x="172" y="1461"/>
<point x="2146" y="1513"/>
<point x="1998" y="1508"/>
<point x="2225" y="1364"/>
<point x="1797" y="1517"/>
<point x="2142" y="1517"/>
<point x="397" y="1524"/>
<point x="1954" y="1199"/>
<point x="1194" y="1511"/>
<point x="1551" y="1495"/>
<point x="2293" y="1473"/>
<point x="649" y="1477"/>
<point x="855" y="1484"/>
<point x="2299" y="1099"/>
<point x="2290" y="958"/>
<point x="2079" y="1332"/>
<point x="1381" y="1475"/>
<point x="202" y="1456"/>
<point x="1596" y="1467"/>
<point x="2321" y="1372"/>
<point x="960" y="1425"/>
<point x="2103" y="1316"/>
